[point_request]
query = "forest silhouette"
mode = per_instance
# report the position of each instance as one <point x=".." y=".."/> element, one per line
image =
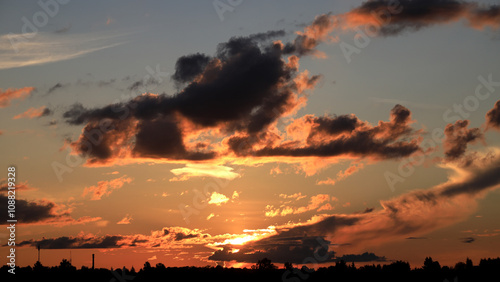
<point x="265" y="270"/>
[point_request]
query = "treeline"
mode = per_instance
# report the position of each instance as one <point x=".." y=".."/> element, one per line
<point x="265" y="270"/>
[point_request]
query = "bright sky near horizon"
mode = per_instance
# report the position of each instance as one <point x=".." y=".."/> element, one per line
<point x="204" y="132"/>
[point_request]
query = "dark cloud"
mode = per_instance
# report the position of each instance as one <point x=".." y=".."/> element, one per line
<point x="46" y="112"/>
<point x="40" y="212"/>
<point x="289" y="245"/>
<point x="63" y="29"/>
<point x="493" y="116"/>
<point x="245" y="87"/>
<point x="381" y="141"/>
<point x="29" y="212"/>
<point x="479" y="182"/>
<point x="182" y="236"/>
<point x="458" y="136"/>
<point x="188" y="67"/>
<point x="468" y="240"/>
<point x="368" y="210"/>
<point x="64" y="242"/>
<point x="318" y="31"/>
<point x="143" y="84"/>
<point x="364" y="257"/>
<point x="416" y="238"/>
<point x="294" y="250"/>
<point x="264" y="36"/>
<point x="55" y="87"/>
<point x="396" y="17"/>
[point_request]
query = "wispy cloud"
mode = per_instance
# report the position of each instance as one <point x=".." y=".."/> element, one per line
<point x="10" y="94"/>
<point x="18" y="50"/>
<point x="34" y="113"/>
<point x="126" y="220"/>
<point x="104" y="188"/>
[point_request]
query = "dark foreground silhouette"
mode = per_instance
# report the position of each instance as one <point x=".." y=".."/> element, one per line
<point x="265" y="270"/>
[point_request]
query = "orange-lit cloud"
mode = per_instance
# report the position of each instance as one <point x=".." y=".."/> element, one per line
<point x="10" y="94"/>
<point x="410" y="215"/>
<point x="341" y="175"/>
<point x="395" y="17"/>
<point x="210" y="216"/>
<point x="201" y="170"/>
<point x="20" y="186"/>
<point x="318" y="31"/>
<point x="126" y="220"/>
<point x="34" y="113"/>
<point x="317" y="203"/>
<point x="327" y="181"/>
<point x="105" y="187"/>
<point x="217" y="199"/>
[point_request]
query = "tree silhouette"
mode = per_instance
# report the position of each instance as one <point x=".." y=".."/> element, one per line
<point x="468" y="264"/>
<point x="147" y="266"/>
<point x="288" y="266"/>
<point x="66" y="265"/>
<point x="430" y="265"/>
<point x="160" y="266"/>
<point x="264" y="264"/>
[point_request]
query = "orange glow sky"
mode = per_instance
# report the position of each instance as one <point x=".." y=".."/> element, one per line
<point x="187" y="135"/>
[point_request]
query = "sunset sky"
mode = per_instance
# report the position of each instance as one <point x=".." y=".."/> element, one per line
<point x="222" y="132"/>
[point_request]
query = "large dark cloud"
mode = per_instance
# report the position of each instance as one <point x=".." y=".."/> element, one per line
<point x="397" y="17"/>
<point x="245" y="87"/>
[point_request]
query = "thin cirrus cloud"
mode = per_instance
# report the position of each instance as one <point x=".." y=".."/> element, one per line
<point x="21" y="50"/>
